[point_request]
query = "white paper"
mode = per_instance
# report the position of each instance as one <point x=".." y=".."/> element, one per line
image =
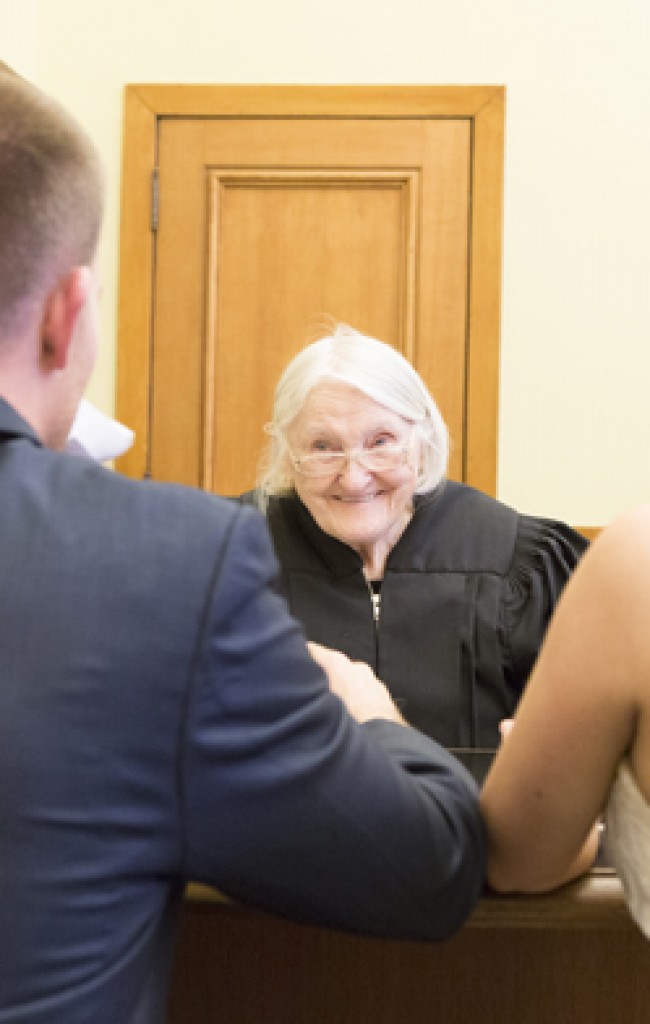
<point x="97" y="435"/>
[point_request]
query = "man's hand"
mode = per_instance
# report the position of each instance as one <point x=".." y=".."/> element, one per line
<point x="356" y="684"/>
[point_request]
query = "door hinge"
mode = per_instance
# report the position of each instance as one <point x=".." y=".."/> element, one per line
<point x="155" y="198"/>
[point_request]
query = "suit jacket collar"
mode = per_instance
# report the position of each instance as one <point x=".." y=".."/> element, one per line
<point x="12" y="425"/>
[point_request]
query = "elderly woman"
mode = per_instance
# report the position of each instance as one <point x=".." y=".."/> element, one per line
<point x="443" y="591"/>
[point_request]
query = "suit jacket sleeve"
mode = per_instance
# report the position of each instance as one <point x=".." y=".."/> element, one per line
<point x="291" y="805"/>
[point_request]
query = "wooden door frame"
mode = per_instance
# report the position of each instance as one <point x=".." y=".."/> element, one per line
<point x="483" y="106"/>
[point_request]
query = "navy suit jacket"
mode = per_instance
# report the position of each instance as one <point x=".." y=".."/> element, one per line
<point x="160" y="720"/>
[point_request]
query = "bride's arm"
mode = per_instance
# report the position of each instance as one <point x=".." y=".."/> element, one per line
<point x="587" y="699"/>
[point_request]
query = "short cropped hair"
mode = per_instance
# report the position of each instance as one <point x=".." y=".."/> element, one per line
<point x="372" y="367"/>
<point x="51" y="196"/>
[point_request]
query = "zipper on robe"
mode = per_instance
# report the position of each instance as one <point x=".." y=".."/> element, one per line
<point x="375" y="600"/>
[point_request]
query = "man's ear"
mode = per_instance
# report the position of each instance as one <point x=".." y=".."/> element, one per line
<point x="62" y="307"/>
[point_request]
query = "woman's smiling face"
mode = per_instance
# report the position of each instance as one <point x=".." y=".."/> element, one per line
<point x="363" y="508"/>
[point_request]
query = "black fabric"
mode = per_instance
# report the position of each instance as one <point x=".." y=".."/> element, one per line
<point x="465" y="600"/>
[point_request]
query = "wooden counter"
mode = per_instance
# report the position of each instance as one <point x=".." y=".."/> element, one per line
<point x="569" y="957"/>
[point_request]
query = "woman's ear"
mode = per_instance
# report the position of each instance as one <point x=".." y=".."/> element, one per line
<point x="61" y="310"/>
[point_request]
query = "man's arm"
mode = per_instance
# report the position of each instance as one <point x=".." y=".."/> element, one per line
<point x="293" y="806"/>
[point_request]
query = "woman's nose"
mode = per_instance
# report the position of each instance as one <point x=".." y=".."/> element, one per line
<point x="353" y="473"/>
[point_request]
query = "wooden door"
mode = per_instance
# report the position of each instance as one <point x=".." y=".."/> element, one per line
<point x="277" y="208"/>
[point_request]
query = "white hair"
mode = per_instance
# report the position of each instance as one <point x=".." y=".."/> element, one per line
<point x="377" y="370"/>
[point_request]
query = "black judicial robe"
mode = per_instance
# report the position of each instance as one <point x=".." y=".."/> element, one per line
<point x="465" y="600"/>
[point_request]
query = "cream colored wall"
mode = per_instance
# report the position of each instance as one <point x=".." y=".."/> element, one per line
<point x="575" y="417"/>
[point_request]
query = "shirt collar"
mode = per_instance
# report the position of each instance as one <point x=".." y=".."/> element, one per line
<point x="13" y="426"/>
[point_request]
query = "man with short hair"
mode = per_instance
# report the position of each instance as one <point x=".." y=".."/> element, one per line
<point x="160" y="717"/>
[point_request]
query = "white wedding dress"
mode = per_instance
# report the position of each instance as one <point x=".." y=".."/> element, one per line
<point x="627" y="843"/>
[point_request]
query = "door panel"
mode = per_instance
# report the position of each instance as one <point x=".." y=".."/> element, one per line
<point x="316" y="229"/>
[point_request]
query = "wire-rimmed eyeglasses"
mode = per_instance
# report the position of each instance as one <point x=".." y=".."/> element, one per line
<point x="381" y="459"/>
